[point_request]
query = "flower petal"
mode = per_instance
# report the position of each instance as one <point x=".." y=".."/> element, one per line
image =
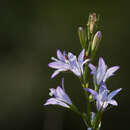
<point x="84" y="62"/>
<point x="53" y="58"/>
<point x="89" y="129"/>
<point x="92" y="116"/>
<point x="62" y="95"/>
<point x="113" y="93"/>
<point x="63" y="84"/>
<point x="73" y="61"/>
<point x="105" y="104"/>
<point x="113" y="102"/>
<point x="54" y="101"/>
<point x="81" y="65"/>
<point x="101" y="70"/>
<point x="94" y="93"/>
<point x="60" y="56"/>
<point x="102" y="87"/>
<point x="99" y="104"/>
<point x="74" y="66"/>
<point x="110" y="72"/>
<point x="52" y="92"/>
<point x="57" y="72"/>
<point x="93" y="68"/>
<point x="81" y="56"/>
<point x="103" y="95"/>
<point x="58" y="65"/>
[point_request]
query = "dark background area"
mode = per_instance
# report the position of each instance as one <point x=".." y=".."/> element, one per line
<point x="30" y="33"/>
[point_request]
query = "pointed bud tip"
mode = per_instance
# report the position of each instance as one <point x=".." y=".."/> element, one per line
<point x="80" y="28"/>
<point x="82" y="36"/>
<point x="99" y="34"/>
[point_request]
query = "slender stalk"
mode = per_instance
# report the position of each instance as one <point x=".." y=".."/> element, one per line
<point x="83" y="83"/>
<point x="97" y="120"/>
<point x="88" y="109"/>
<point x="82" y="115"/>
<point x="85" y="122"/>
<point x="85" y="73"/>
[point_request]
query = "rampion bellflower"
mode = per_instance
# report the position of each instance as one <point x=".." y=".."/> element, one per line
<point x="60" y="97"/>
<point x="102" y="73"/>
<point x="104" y="98"/>
<point x="68" y="62"/>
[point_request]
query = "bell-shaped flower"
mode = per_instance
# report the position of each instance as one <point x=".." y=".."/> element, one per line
<point x="103" y="97"/>
<point x="59" y="97"/>
<point x="68" y="63"/>
<point x="102" y="72"/>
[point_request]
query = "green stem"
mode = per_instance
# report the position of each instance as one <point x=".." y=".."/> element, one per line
<point x="84" y="80"/>
<point x="85" y="73"/>
<point x="85" y="122"/>
<point x="89" y="47"/>
<point x="88" y="108"/>
<point x="97" y="120"/>
<point x="82" y="115"/>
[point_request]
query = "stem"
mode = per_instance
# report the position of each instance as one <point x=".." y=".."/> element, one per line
<point x="84" y="81"/>
<point x="85" y="73"/>
<point x="97" y="120"/>
<point x="82" y="115"/>
<point x="85" y="122"/>
<point x="88" y="110"/>
<point x="88" y="107"/>
<point x="89" y="47"/>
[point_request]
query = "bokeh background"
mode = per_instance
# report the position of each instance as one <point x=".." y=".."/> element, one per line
<point x="30" y="33"/>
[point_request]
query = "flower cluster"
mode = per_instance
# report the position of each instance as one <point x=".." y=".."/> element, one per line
<point x="100" y="95"/>
<point x="100" y="75"/>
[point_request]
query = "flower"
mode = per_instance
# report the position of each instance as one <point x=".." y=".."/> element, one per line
<point x="60" y="97"/>
<point x="103" y="99"/>
<point x="102" y="73"/>
<point x="68" y="62"/>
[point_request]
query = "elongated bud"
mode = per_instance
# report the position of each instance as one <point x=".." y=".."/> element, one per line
<point x="82" y="37"/>
<point x="92" y="22"/>
<point x="96" y="41"/>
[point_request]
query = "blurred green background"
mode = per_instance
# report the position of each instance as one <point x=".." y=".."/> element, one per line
<point x="30" y="33"/>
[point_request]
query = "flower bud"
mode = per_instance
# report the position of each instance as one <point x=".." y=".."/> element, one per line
<point x="96" y="41"/>
<point x="92" y="22"/>
<point x="82" y="37"/>
<point x="90" y="97"/>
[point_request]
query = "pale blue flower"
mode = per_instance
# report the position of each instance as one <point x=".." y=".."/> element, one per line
<point x="60" y="97"/>
<point x="104" y="98"/>
<point x="68" y="62"/>
<point x="102" y="72"/>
